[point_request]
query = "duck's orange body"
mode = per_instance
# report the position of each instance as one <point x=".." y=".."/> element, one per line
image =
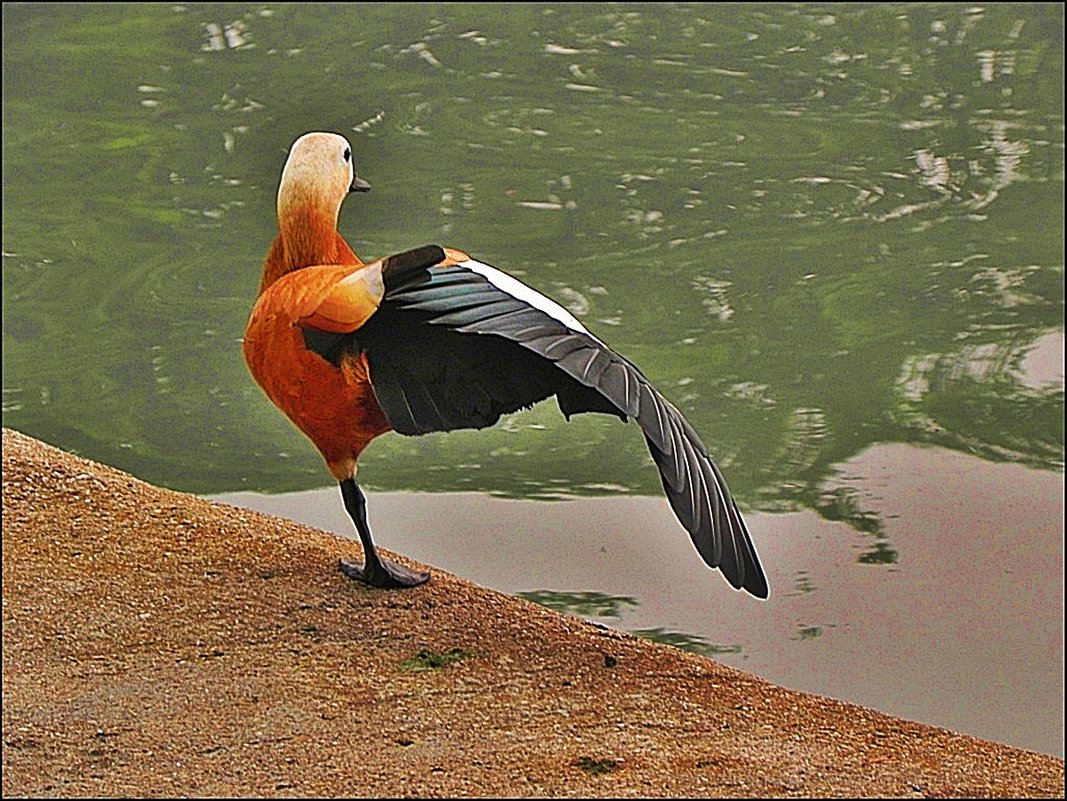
<point x="335" y="408"/>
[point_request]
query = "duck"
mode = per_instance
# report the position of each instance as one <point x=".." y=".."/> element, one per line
<point x="432" y="339"/>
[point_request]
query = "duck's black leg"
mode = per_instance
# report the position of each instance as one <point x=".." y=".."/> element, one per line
<point x="375" y="571"/>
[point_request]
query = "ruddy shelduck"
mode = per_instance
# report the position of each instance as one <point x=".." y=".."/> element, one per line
<point x="433" y="340"/>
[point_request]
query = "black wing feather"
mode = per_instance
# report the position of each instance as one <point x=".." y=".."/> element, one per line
<point x="448" y="349"/>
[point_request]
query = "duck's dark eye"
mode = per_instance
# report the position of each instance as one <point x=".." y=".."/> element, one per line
<point x="348" y="154"/>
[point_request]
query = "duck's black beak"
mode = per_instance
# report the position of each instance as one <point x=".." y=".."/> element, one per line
<point x="359" y="185"/>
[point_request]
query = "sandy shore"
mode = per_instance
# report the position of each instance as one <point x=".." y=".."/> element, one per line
<point x="158" y="644"/>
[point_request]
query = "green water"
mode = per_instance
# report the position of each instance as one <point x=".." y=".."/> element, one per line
<point x="816" y="228"/>
<point x="831" y="234"/>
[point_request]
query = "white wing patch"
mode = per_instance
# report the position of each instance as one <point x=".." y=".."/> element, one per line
<point x="517" y="289"/>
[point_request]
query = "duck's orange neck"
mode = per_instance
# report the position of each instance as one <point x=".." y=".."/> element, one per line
<point x="306" y="236"/>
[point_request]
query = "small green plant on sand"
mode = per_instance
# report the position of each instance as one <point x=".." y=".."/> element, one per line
<point x="431" y="660"/>
<point x="596" y="766"/>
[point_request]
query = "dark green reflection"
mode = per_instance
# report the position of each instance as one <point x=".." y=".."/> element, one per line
<point x="687" y="642"/>
<point x="807" y="632"/>
<point x="802" y="583"/>
<point x="841" y="504"/>
<point x="816" y="228"/>
<point x="601" y="605"/>
<point x="880" y="553"/>
<point x="583" y="604"/>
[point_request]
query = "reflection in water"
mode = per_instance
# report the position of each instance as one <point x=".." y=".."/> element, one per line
<point x="1042" y="365"/>
<point x="881" y="553"/>
<point x="807" y="632"/>
<point x="944" y="397"/>
<point x="841" y="504"/>
<point x="802" y="583"/>
<point x="935" y="171"/>
<point x="687" y="642"/>
<point x="600" y="605"/>
<point x="584" y="604"/>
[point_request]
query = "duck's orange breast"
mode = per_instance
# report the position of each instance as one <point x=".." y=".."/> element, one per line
<point x="334" y="406"/>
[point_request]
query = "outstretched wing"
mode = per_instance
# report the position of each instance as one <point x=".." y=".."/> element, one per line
<point x="456" y="343"/>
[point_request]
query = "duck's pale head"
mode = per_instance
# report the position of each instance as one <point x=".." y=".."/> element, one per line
<point x="318" y="174"/>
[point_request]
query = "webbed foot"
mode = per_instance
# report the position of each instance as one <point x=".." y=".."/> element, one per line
<point x="383" y="574"/>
